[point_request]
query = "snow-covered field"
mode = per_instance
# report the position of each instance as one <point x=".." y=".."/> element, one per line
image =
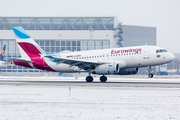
<point x="88" y="103"/>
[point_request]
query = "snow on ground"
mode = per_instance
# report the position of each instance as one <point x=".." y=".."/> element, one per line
<point x="88" y="103"/>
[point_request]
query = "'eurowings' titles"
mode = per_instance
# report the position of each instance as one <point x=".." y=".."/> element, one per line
<point x="126" y="51"/>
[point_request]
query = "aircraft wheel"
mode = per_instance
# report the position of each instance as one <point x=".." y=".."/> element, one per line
<point x="103" y="78"/>
<point x="89" y="79"/>
<point x="150" y="75"/>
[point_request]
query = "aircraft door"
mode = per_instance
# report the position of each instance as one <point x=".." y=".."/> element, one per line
<point x="146" y="53"/>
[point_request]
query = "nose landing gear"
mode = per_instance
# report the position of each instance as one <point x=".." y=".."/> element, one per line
<point x="150" y="75"/>
<point x="149" y="70"/>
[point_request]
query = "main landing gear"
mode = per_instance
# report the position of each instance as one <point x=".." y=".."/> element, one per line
<point x="150" y="74"/>
<point x="90" y="78"/>
<point x="103" y="78"/>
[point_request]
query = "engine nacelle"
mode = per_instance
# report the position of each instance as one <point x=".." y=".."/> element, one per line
<point x="106" y="69"/>
<point x="128" y="71"/>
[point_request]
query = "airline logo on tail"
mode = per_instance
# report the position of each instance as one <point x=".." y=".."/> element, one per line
<point x="31" y="52"/>
<point x="2" y="53"/>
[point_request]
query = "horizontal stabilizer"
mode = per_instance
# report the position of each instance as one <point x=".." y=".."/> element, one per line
<point x="25" y="61"/>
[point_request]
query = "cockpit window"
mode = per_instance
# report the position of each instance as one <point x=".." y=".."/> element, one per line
<point x="160" y="51"/>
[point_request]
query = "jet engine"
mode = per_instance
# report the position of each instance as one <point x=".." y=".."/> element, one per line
<point x="105" y="69"/>
<point x="110" y="68"/>
<point x="128" y="71"/>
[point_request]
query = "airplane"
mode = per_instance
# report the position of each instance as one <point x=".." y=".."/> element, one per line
<point x="115" y="61"/>
<point x="2" y="63"/>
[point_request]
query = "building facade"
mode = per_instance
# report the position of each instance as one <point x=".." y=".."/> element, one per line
<point x="56" y="34"/>
<point x="138" y="35"/>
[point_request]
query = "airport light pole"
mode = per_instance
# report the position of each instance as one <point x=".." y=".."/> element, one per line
<point x="91" y="30"/>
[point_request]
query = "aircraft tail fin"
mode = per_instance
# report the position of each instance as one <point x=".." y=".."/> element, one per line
<point x="2" y="53"/>
<point x="31" y="52"/>
<point x="27" y="46"/>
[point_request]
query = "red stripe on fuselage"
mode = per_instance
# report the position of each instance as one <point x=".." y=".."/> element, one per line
<point x="34" y="55"/>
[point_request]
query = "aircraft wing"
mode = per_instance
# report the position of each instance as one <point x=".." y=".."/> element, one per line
<point x="82" y="64"/>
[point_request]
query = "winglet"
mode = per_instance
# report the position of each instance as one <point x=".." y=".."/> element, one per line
<point x="21" y="33"/>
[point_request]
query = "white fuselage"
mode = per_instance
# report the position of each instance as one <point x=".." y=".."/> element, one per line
<point x="104" y="61"/>
<point x="135" y="57"/>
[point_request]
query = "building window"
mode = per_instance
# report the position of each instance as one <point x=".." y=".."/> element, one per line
<point x="62" y="43"/>
<point x="68" y="43"/>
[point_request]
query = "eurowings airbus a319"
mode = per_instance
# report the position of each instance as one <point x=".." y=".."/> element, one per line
<point x="117" y="61"/>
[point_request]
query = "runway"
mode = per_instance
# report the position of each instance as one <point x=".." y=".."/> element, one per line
<point x="70" y="81"/>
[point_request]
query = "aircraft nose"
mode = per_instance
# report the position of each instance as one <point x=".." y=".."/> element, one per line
<point x="172" y="57"/>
